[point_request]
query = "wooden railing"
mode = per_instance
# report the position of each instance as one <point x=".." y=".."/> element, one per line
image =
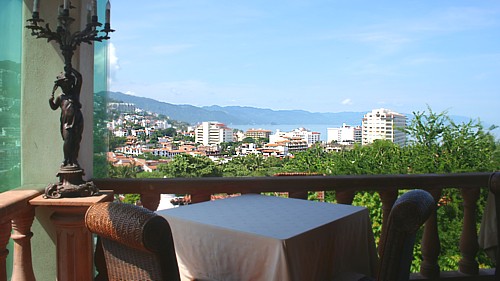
<point x="345" y="188"/>
<point x="17" y="215"/>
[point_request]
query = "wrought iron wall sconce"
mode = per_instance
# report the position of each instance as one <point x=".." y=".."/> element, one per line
<point x="71" y="183"/>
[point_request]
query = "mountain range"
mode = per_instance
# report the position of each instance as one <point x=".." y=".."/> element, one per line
<point x="244" y="115"/>
<point x="241" y="115"/>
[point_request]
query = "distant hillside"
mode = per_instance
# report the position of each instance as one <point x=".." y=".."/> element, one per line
<point x="243" y="115"/>
<point x="186" y="113"/>
<point x="238" y="114"/>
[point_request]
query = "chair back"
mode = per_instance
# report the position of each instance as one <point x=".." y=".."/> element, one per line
<point x="137" y="243"/>
<point x="408" y="214"/>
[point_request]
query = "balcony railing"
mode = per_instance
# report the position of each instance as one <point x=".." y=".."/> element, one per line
<point x="17" y="214"/>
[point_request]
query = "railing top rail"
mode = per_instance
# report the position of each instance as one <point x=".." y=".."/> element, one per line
<point x="15" y="201"/>
<point x="294" y="183"/>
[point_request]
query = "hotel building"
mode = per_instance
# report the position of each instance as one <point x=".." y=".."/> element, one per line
<point x="213" y="133"/>
<point x="383" y="124"/>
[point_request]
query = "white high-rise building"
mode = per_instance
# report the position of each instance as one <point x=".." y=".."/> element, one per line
<point x="302" y="133"/>
<point x="344" y="135"/>
<point x="384" y="124"/>
<point x="210" y="133"/>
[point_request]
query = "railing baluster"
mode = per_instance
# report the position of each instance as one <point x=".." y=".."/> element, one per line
<point x="468" y="241"/>
<point x="344" y="196"/>
<point x="298" y="194"/>
<point x="200" y="197"/>
<point x="21" y="225"/>
<point x="5" y="228"/>
<point x="388" y="197"/>
<point x="494" y="187"/>
<point x="150" y="200"/>
<point x="431" y="246"/>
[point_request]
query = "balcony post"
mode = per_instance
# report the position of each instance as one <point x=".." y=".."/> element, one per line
<point x="431" y="246"/>
<point x="150" y="200"/>
<point x="21" y="226"/>
<point x="468" y="240"/>
<point x="5" y="228"/>
<point x="298" y="194"/>
<point x="74" y="245"/>
<point x="388" y="197"/>
<point x="344" y="196"/>
<point x="494" y="187"/>
<point x="200" y="197"/>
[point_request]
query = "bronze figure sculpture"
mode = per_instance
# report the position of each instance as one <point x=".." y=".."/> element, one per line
<point x="71" y="114"/>
<point x="71" y="183"/>
<point x="70" y="173"/>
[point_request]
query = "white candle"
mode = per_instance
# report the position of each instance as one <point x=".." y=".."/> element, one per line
<point x="94" y="8"/>
<point x="36" y="6"/>
<point x="89" y="17"/>
<point x="66" y="4"/>
<point x="108" y="12"/>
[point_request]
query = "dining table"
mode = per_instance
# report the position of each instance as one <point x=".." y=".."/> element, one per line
<point x="261" y="237"/>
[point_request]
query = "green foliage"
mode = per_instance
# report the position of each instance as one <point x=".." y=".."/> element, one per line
<point x="129" y="171"/>
<point x="371" y="200"/>
<point x="188" y="166"/>
<point x="115" y="142"/>
<point x="228" y="148"/>
<point x="100" y="136"/>
<point x="248" y="140"/>
<point x="101" y="166"/>
<point x="131" y="198"/>
<point x="252" y="165"/>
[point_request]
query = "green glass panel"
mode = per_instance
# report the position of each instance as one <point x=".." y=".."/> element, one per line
<point x="100" y="101"/>
<point x="10" y="93"/>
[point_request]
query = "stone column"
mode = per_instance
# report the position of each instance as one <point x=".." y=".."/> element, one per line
<point x="5" y="228"/>
<point x="73" y="240"/>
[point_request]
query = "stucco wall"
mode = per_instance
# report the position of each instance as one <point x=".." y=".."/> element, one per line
<point x="41" y="142"/>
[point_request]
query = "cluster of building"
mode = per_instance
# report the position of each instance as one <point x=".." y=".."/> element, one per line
<point x="379" y="124"/>
<point x="209" y="136"/>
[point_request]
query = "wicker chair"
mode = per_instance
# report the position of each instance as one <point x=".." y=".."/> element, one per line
<point x="408" y="214"/>
<point x="137" y="243"/>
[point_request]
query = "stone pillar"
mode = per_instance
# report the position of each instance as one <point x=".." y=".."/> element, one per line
<point x="73" y="240"/>
<point x="5" y="228"/>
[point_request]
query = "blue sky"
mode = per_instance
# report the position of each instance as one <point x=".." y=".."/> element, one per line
<point x="319" y="56"/>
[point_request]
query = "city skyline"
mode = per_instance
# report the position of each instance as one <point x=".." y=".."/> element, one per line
<point x="318" y="56"/>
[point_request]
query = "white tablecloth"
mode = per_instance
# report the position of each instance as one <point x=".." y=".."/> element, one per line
<point x="257" y="237"/>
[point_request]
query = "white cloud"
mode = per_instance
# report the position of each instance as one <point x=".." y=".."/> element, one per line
<point x="113" y="64"/>
<point x="347" y="102"/>
<point x="113" y="59"/>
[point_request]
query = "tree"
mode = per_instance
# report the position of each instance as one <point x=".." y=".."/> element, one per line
<point x="188" y="166"/>
<point x="248" y="140"/>
<point x="115" y="142"/>
<point x="128" y="171"/>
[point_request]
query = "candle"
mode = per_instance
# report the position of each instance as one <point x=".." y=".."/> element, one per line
<point x="66" y="4"/>
<point x="36" y="6"/>
<point x="94" y="8"/>
<point x="89" y="17"/>
<point x="108" y="12"/>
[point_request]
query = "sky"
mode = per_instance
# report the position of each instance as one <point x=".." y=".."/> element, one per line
<point x="318" y="56"/>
